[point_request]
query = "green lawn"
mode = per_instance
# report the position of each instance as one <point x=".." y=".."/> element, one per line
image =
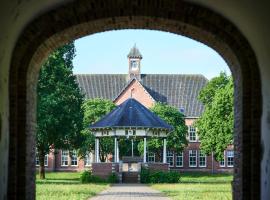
<point x="194" y="186"/>
<point x="65" y="185"/>
<point x="199" y="186"/>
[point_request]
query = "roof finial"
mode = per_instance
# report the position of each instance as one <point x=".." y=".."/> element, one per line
<point x="134" y="52"/>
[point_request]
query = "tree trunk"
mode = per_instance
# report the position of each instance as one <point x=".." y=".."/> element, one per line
<point x="41" y="156"/>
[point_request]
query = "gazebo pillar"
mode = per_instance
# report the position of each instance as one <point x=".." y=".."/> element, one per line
<point x="132" y="152"/>
<point x="115" y="149"/>
<point x="144" y="150"/>
<point x="97" y="150"/>
<point x="164" y="150"/>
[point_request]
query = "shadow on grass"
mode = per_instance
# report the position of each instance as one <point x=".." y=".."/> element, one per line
<point x="207" y="182"/>
<point x="198" y="193"/>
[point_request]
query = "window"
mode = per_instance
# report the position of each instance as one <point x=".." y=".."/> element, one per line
<point x="179" y="160"/>
<point x="134" y="64"/>
<point x="222" y="162"/>
<point x="74" y="159"/>
<point x="202" y="159"/>
<point x="45" y="160"/>
<point x="192" y="133"/>
<point x="192" y="158"/>
<point x="64" y="158"/>
<point x="151" y="157"/>
<point x="87" y="159"/>
<point x="230" y="155"/>
<point x="170" y="158"/>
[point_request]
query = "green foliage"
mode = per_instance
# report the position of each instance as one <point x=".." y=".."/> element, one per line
<point x="113" y="178"/>
<point x="159" y="176"/>
<point x="145" y="175"/>
<point x="215" y="126"/>
<point x="59" y="102"/>
<point x="208" y="92"/>
<point x="94" y="110"/>
<point x="87" y="177"/>
<point x="176" y="140"/>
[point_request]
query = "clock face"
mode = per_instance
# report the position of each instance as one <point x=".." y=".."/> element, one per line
<point x="134" y="64"/>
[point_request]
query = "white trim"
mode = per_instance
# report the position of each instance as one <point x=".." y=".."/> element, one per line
<point x="71" y="160"/>
<point x="46" y="160"/>
<point x="190" y="152"/>
<point x="224" y="160"/>
<point x="171" y="155"/>
<point x="180" y="156"/>
<point x="151" y="155"/>
<point x="205" y="157"/>
<point x="66" y="156"/>
<point x="231" y="156"/>
<point x="89" y="156"/>
<point x="192" y="129"/>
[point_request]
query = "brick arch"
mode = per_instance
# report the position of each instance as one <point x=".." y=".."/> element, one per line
<point x="81" y="18"/>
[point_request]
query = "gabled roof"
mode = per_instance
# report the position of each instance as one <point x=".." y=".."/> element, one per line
<point x="131" y="114"/>
<point x="128" y="84"/>
<point x="179" y="90"/>
<point x="134" y="53"/>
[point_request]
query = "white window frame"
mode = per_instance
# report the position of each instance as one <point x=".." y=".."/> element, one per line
<point x="180" y="156"/>
<point x="87" y="159"/>
<point x="201" y="155"/>
<point x="64" y="157"/>
<point x="170" y="155"/>
<point x="230" y="154"/>
<point x="151" y="158"/>
<point x="190" y="155"/>
<point x="192" y="130"/>
<point x="74" y="155"/>
<point x="46" y="160"/>
<point x="223" y="161"/>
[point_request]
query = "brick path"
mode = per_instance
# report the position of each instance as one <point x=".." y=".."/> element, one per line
<point x="130" y="192"/>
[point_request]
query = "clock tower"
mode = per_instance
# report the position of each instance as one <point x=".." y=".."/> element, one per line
<point x="134" y="62"/>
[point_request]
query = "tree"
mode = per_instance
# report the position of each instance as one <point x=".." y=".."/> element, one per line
<point x="176" y="140"/>
<point x="94" y="110"/>
<point x="215" y="126"/>
<point x="59" y="101"/>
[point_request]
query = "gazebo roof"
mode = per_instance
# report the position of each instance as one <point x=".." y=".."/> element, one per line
<point x="131" y="114"/>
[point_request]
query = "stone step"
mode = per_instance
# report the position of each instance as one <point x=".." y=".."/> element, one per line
<point x="130" y="177"/>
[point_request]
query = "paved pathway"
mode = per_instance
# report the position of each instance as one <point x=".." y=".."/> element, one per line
<point x="130" y="192"/>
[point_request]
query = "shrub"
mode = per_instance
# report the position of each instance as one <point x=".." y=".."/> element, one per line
<point x="87" y="177"/>
<point x="173" y="177"/>
<point x="113" y="178"/>
<point x="145" y="175"/>
<point x="159" y="176"/>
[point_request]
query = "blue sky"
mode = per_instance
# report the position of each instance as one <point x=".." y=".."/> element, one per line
<point x="163" y="53"/>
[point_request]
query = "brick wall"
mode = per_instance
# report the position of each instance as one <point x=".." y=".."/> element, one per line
<point x="138" y="93"/>
<point x="75" y="19"/>
<point x="102" y="170"/>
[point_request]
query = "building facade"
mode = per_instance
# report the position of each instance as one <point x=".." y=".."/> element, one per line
<point x="178" y="90"/>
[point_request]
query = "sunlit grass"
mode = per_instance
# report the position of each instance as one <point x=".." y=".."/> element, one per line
<point x="195" y="186"/>
<point x="65" y="185"/>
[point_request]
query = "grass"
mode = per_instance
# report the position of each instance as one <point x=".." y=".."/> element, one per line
<point x="65" y="185"/>
<point x="195" y="186"/>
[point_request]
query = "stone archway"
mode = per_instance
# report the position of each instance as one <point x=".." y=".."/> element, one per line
<point x="81" y="18"/>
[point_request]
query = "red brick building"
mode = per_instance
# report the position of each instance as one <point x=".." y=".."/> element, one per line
<point x="177" y="90"/>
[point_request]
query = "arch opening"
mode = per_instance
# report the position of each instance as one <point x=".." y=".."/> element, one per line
<point x="180" y="18"/>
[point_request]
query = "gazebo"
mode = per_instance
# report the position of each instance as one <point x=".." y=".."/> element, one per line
<point x="130" y="119"/>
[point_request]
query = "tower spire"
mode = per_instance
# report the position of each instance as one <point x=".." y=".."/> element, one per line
<point x="134" y="60"/>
